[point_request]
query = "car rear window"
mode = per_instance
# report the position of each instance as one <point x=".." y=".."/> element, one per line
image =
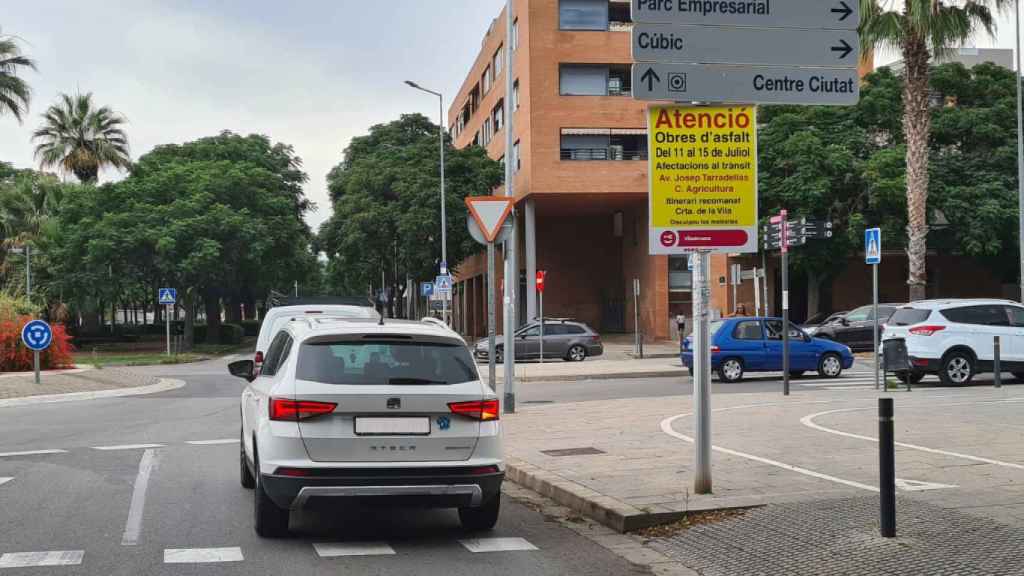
<point x="987" y="315"/>
<point x="908" y="316"/>
<point x="383" y="362"/>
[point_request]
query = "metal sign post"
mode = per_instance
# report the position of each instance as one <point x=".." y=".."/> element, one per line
<point x="491" y="348"/>
<point x="701" y="375"/>
<point x="36" y="336"/>
<point x="873" y="257"/>
<point x="541" y="274"/>
<point x="637" y="337"/>
<point x="784" y="233"/>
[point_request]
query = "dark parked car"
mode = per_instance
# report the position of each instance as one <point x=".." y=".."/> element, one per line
<point x="854" y="327"/>
<point x="563" y="338"/>
<point x="814" y="323"/>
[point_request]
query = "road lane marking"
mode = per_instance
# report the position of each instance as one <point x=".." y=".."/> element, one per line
<point x="810" y="423"/>
<point x="128" y="447"/>
<point x="212" y="442"/>
<point x="666" y="427"/>
<point x="31" y="453"/>
<point x="202" y="555"/>
<point x="133" y="526"/>
<point x="336" y="549"/>
<point x="5" y="481"/>
<point x="920" y="486"/>
<point x="34" y="559"/>
<point x="496" y="544"/>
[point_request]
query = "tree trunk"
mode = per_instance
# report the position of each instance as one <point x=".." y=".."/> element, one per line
<point x="211" y="301"/>
<point x="188" y="338"/>
<point x="813" y="294"/>
<point x="916" y="128"/>
<point x="234" y="309"/>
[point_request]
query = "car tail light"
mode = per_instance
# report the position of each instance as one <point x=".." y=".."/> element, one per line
<point x="259" y="357"/>
<point x="480" y="470"/>
<point x="293" y="472"/>
<point x="927" y="330"/>
<point x="478" y="410"/>
<point x="919" y="362"/>
<point x="716" y="349"/>
<point x="294" y="410"/>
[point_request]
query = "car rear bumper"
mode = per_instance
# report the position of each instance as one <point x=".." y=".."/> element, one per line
<point x="595" y="349"/>
<point x="433" y="487"/>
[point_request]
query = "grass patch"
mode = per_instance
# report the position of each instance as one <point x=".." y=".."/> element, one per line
<point x="689" y="521"/>
<point x="101" y="359"/>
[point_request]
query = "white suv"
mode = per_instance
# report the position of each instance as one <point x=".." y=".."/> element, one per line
<point x="361" y="409"/>
<point x="280" y="315"/>
<point x="955" y="338"/>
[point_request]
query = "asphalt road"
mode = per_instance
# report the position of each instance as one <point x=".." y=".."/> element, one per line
<point x="128" y="509"/>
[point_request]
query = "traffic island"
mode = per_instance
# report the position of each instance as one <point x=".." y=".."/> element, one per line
<point x="73" y="381"/>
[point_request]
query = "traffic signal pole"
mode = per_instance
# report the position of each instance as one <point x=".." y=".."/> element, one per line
<point x="784" y="235"/>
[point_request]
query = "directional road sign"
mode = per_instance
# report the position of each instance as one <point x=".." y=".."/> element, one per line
<point x="168" y="295"/>
<point x="426" y="289"/>
<point x="873" y="246"/>
<point x="765" y="46"/>
<point x="745" y="84"/>
<point x="37" y="335"/>
<point x="490" y="213"/>
<point x="833" y="14"/>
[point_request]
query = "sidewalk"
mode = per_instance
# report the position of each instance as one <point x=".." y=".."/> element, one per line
<point x="629" y="463"/>
<point x="589" y="369"/>
<point x="22" y="384"/>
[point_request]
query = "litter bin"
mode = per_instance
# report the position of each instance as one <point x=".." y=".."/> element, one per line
<point x="894" y="355"/>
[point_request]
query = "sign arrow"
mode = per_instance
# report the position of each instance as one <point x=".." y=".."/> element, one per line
<point x="650" y="77"/>
<point x="845" y="10"/>
<point x="845" y="49"/>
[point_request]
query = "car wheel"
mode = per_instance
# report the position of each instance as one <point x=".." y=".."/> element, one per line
<point x="730" y="370"/>
<point x="482" y="518"/>
<point x="830" y="366"/>
<point x="957" y="368"/>
<point x="248" y="480"/>
<point x="271" y="520"/>
<point x="796" y="373"/>
<point x="499" y="356"/>
<point x="914" y="377"/>
<point x="576" y="353"/>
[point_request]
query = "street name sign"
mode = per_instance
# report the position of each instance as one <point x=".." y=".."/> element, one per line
<point x="703" y="179"/>
<point x="489" y="212"/>
<point x="729" y="45"/>
<point x="829" y="14"/>
<point x="745" y="84"/>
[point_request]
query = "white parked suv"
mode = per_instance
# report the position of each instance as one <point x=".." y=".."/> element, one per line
<point x="391" y="411"/>
<point x="955" y="338"/>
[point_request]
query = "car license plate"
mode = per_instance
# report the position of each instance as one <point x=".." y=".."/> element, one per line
<point x="392" y="426"/>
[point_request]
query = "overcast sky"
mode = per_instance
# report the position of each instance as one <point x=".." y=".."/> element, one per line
<point x="308" y="73"/>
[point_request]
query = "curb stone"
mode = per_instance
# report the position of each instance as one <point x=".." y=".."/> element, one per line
<point x="606" y="376"/>
<point x="162" y="385"/>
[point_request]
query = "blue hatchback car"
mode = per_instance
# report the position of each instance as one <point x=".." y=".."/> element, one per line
<point x="740" y="345"/>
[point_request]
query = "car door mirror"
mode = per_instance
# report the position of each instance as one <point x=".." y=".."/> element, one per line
<point x="807" y="337"/>
<point x="244" y="369"/>
<point x="844" y="321"/>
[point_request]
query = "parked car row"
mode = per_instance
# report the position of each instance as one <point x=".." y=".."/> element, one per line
<point x="564" y="339"/>
<point x="852" y="328"/>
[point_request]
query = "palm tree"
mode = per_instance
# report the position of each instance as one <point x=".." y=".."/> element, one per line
<point x="14" y="92"/>
<point x="79" y="138"/>
<point x="920" y="30"/>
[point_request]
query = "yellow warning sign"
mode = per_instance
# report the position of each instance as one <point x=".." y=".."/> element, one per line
<point x="703" y="179"/>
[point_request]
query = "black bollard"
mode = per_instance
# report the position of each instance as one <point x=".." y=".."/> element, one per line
<point x="887" y="467"/>
<point x="996" y="368"/>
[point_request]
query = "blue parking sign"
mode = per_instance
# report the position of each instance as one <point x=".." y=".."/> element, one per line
<point x="426" y="289"/>
<point x="873" y="246"/>
<point x="37" y="335"/>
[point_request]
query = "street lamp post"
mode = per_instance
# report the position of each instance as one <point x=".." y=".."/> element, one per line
<point x="440" y="137"/>
<point x="1020" y="156"/>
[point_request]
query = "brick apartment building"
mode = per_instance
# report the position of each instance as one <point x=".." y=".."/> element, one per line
<point x="580" y="181"/>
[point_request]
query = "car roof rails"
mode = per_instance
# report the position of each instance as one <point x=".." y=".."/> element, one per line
<point x="436" y="322"/>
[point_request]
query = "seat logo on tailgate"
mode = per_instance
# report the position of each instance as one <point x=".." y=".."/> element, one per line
<point x="443" y="422"/>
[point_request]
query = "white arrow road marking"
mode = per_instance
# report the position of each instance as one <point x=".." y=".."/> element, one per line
<point x="333" y="550"/>
<point x="34" y="559"/>
<point x="202" y="555"/>
<point x="918" y="485"/>
<point x="496" y="544"/>
<point x="31" y="453"/>
<point x="5" y="481"/>
<point x="133" y="527"/>
<point x="213" y="442"/>
<point x="128" y="447"/>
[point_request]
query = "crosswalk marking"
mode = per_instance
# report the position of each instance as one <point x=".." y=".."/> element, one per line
<point x="212" y="442"/>
<point x="496" y="544"/>
<point x="31" y="453"/>
<point x="202" y="555"/>
<point x="5" y="480"/>
<point x="128" y="447"/>
<point x="335" y="549"/>
<point x="33" y="559"/>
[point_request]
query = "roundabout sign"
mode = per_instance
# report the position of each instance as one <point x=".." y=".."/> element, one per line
<point x="37" y="336"/>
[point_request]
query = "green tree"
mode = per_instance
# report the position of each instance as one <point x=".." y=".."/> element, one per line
<point x="921" y="30"/>
<point x="387" y="205"/>
<point x="14" y="91"/>
<point x="80" y="138"/>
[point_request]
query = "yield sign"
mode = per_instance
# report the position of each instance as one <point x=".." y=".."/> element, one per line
<point x="490" y="213"/>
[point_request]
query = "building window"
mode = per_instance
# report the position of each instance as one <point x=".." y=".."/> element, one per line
<point x="515" y="35"/>
<point x="680" y="279"/>
<point x="476" y="138"/>
<point x="474" y="99"/>
<point x="619" y="18"/>
<point x="604" y="144"/>
<point x="498" y="114"/>
<point x="487" y="132"/>
<point x="486" y="80"/>
<point x="517" y="161"/>
<point x="620" y="80"/>
<point x="515" y="95"/>
<point x="498" y="61"/>
<point x="583" y="14"/>
<point x="582" y="80"/>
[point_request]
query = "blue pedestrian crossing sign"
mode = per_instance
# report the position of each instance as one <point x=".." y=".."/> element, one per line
<point x="37" y="335"/>
<point x="873" y="246"/>
<point x="426" y="289"/>
<point x="168" y="295"/>
<point x="443" y="286"/>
